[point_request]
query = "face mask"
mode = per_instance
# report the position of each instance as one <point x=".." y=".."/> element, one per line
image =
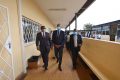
<point x="58" y="28"/>
<point x="75" y="33"/>
<point x="44" y="30"/>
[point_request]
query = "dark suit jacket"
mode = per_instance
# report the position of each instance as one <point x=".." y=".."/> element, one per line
<point x="43" y="42"/>
<point x="59" y="40"/>
<point x="79" y="41"/>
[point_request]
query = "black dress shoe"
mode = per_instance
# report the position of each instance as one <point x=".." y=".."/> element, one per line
<point x="53" y="57"/>
<point x="60" y="68"/>
<point x="46" y="69"/>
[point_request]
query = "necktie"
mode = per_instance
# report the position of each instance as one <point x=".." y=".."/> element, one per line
<point x="58" y="33"/>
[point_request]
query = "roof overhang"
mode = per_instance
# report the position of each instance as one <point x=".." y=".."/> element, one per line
<point x="85" y="6"/>
<point x="63" y="11"/>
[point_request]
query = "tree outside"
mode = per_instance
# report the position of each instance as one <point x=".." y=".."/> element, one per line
<point x="88" y="26"/>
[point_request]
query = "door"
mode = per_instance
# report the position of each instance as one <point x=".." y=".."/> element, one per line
<point x="6" y="58"/>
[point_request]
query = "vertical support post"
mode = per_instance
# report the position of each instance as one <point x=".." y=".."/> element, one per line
<point x="69" y="27"/>
<point x="75" y="20"/>
<point x="113" y="31"/>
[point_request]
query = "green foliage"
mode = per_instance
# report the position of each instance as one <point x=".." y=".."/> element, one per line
<point x="88" y="26"/>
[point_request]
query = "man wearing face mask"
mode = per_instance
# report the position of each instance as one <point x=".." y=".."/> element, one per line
<point x="75" y="45"/>
<point x="43" y="45"/>
<point x="58" y="39"/>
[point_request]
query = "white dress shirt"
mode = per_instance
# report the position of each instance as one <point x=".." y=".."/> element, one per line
<point x="75" y="40"/>
<point x="43" y="34"/>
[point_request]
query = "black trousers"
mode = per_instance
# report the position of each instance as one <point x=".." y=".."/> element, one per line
<point x="59" y="54"/>
<point x="74" y="55"/>
<point x="67" y="45"/>
<point x="44" y="54"/>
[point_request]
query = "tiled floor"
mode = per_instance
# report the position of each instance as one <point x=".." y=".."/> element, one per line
<point x="54" y="74"/>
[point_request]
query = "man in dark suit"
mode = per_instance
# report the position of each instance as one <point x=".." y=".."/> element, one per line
<point x="58" y="39"/>
<point x="43" y="44"/>
<point x="75" y="45"/>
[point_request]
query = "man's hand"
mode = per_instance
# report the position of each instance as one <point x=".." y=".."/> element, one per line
<point x="57" y="46"/>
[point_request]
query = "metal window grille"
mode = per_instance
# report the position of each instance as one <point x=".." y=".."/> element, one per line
<point x="30" y="29"/>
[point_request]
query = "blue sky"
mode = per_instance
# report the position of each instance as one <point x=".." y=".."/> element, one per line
<point x="101" y="11"/>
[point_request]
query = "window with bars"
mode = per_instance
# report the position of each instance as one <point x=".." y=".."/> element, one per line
<point x="30" y="29"/>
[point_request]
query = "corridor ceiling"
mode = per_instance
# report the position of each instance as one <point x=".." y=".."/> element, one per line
<point x="62" y="11"/>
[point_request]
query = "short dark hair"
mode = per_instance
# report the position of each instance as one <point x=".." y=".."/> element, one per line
<point x="58" y="25"/>
<point x="75" y="30"/>
<point x="43" y="27"/>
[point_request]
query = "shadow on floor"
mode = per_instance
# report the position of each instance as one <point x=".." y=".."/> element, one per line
<point x="84" y="72"/>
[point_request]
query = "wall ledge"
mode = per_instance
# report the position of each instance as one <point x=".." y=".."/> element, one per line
<point x="100" y="75"/>
<point x="102" y="40"/>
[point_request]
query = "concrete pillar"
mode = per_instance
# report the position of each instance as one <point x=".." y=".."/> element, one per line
<point x="113" y="31"/>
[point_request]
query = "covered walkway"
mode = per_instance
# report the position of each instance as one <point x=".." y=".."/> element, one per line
<point x="20" y="20"/>
<point x="81" y="73"/>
